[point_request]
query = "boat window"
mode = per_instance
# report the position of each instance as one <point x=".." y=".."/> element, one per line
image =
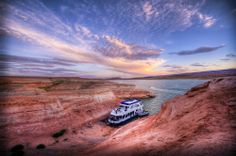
<point x="121" y="106"/>
<point x="112" y="117"/>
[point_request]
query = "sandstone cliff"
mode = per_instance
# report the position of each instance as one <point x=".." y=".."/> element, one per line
<point x="34" y="109"/>
<point x="201" y="122"/>
<point x="64" y="115"/>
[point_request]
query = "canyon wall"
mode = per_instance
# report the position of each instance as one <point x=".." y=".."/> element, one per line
<point x="66" y="116"/>
<point x="201" y="122"/>
<point x="33" y="109"/>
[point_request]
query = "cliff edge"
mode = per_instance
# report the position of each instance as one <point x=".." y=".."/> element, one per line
<point x="57" y="116"/>
<point x="201" y="122"/>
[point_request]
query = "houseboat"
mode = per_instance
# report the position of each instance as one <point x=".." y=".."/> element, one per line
<point x="127" y="109"/>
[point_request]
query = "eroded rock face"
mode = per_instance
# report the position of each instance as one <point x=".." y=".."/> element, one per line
<point x="201" y="122"/>
<point x="33" y="109"/>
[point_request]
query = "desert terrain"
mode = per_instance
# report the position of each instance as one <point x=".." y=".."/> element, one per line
<point x="64" y="116"/>
<point x="201" y="122"/>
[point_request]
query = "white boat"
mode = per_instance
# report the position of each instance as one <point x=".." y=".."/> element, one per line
<point x="126" y="110"/>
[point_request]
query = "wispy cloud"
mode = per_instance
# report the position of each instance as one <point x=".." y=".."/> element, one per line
<point x="85" y="54"/>
<point x="170" y="16"/>
<point x="17" y="65"/>
<point x="229" y="57"/>
<point x="172" y="66"/>
<point x="207" y="21"/>
<point x="42" y="61"/>
<point x="198" y="50"/>
<point x="198" y="65"/>
<point x="148" y="10"/>
<point x="113" y="47"/>
<point x="173" y="69"/>
<point x="225" y="59"/>
<point x="41" y="71"/>
<point x="194" y="67"/>
<point x="86" y="33"/>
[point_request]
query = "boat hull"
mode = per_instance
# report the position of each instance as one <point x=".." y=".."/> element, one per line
<point x="122" y="122"/>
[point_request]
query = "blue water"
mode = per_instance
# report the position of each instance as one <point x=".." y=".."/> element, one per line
<point x="163" y="89"/>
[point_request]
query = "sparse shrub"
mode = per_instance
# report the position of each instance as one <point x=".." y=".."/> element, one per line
<point x="59" y="134"/>
<point x="65" y="139"/>
<point x="57" y="82"/>
<point x="54" y="83"/>
<point x="18" y="153"/>
<point x="17" y="147"/>
<point x="17" y="150"/>
<point x="86" y="85"/>
<point x="46" y="88"/>
<point x="40" y="146"/>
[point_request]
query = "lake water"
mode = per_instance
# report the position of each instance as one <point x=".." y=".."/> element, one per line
<point x="163" y="89"/>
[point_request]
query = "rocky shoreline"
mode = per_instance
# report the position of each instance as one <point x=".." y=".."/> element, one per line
<point x="201" y="122"/>
<point x="65" y="116"/>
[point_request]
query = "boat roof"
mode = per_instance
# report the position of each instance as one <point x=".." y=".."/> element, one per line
<point x="130" y="102"/>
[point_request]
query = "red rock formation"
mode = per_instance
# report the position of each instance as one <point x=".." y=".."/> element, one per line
<point x="201" y="122"/>
<point x="33" y="109"/>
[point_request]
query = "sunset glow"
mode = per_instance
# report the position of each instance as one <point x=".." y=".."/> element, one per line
<point x="108" y="38"/>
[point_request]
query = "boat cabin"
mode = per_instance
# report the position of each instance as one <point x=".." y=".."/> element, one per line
<point x="126" y="110"/>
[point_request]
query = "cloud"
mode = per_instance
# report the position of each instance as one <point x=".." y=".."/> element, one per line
<point x="74" y="41"/>
<point x="41" y="71"/>
<point x="225" y="59"/>
<point x="194" y="67"/>
<point x="172" y="66"/>
<point x="39" y="66"/>
<point x="198" y="50"/>
<point x="231" y="55"/>
<point x="207" y="21"/>
<point x="173" y="69"/>
<point x="134" y="18"/>
<point x="170" y="16"/>
<point x="148" y="10"/>
<point x="198" y="65"/>
<point x="35" y="60"/>
<point x="115" y="48"/>
<point x="36" y="23"/>
<point x="50" y="42"/>
<point x="87" y="54"/>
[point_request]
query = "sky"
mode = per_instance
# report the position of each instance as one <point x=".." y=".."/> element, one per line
<point x="116" y="38"/>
